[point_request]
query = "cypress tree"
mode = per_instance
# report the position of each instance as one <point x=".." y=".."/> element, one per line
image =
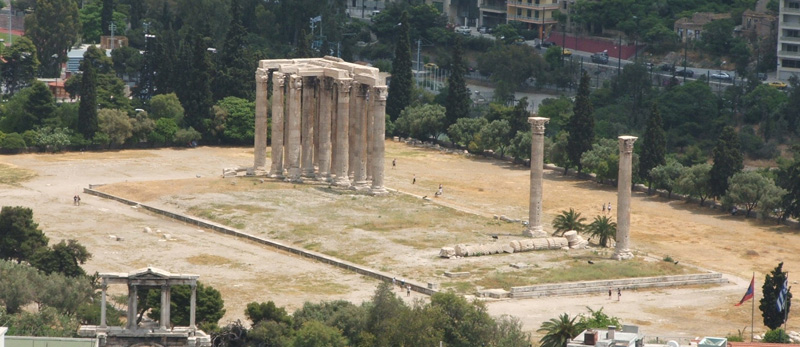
<point x="107" y="16"/>
<point x="654" y="146"/>
<point x="401" y="86"/>
<point x="303" y="46"/>
<point x="195" y="93"/>
<point x="87" y="110"/>
<point x="727" y="161"/>
<point x="581" y="125"/>
<point x="457" y="95"/>
<point x="236" y="71"/>
<point x="773" y="283"/>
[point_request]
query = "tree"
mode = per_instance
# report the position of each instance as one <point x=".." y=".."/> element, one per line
<point x="558" y="331"/>
<point x="235" y="68"/>
<point x="509" y="67"/>
<point x="238" y="119"/>
<point x="695" y="182"/>
<point x="718" y="36"/>
<point x="209" y="310"/>
<point x="581" y="125"/>
<point x="727" y="161"/>
<point x="603" y="229"/>
<point x="164" y="131"/>
<point x="400" y="89"/>
<point x="421" y="122"/>
<point x="598" y="319"/>
<point x="568" y="220"/>
<point x="465" y="132"/>
<point x="116" y="125"/>
<point x="789" y="179"/>
<point x="464" y="324"/>
<point x="558" y="110"/>
<point x="87" y="111"/>
<point x="496" y="136"/>
<point x="28" y="108"/>
<point x="458" y="100"/>
<point x="520" y="145"/>
<point x="603" y="159"/>
<point x="266" y="311"/>
<point x="773" y="284"/>
<point x="20" y="65"/>
<point x="65" y="258"/>
<point x="20" y="285"/>
<point x="195" y="92"/>
<point x="654" y="147"/>
<point x="383" y="315"/>
<point x="666" y="176"/>
<point x="750" y="189"/>
<point x="107" y="16"/>
<point x="314" y="333"/>
<point x="20" y="236"/>
<point x="166" y="106"/>
<point x="53" y="28"/>
<point x="556" y="151"/>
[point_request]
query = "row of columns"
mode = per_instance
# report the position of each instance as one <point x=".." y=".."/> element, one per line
<point x="624" y="181"/>
<point x="330" y="129"/>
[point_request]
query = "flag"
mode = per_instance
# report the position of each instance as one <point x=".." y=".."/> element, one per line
<point x="750" y="291"/>
<point x="782" y="296"/>
<point x="316" y="19"/>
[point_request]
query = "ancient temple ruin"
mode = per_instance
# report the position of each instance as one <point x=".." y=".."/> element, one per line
<point x="133" y="334"/>
<point x="328" y="122"/>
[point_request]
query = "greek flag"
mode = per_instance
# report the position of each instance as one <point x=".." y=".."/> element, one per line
<point x="782" y="296"/>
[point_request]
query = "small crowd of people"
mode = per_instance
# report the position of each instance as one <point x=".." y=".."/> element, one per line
<point x="402" y="285"/>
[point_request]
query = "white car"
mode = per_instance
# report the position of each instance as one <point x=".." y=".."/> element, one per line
<point x="721" y="76"/>
<point x="464" y="30"/>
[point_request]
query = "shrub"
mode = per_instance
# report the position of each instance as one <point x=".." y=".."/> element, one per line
<point x="13" y="141"/>
<point x="776" y="336"/>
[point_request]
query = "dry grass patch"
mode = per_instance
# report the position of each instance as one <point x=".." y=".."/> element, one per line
<point x="13" y="175"/>
<point x="208" y="259"/>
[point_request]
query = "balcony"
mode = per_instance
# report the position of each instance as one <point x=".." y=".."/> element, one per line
<point x="501" y="8"/>
<point x="789" y="39"/>
<point x="789" y="25"/>
<point x="783" y="53"/>
<point x="525" y="4"/>
<point x="535" y="20"/>
<point x="790" y="10"/>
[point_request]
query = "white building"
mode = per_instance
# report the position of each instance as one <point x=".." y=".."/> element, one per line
<point x="789" y="39"/>
<point x="627" y="337"/>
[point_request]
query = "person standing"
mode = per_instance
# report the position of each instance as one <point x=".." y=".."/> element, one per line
<point x="394" y="163"/>
<point x="604" y="211"/>
<point x="609" y="289"/>
<point x="408" y="290"/>
<point x="619" y="293"/>
<point x="609" y="207"/>
<point x="414" y="180"/>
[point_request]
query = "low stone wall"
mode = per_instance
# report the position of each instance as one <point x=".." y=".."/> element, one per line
<point x="291" y="249"/>
<point x="574" y="288"/>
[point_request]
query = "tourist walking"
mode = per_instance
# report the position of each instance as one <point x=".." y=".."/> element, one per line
<point x="619" y="293"/>
<point x="609" y="207"/>
<point x="604" y="207"/>
<point x="414" y="180"/>
<point x="394" y="163"/>
<point x="609" y="289"/>
<point x="408" y="290"/>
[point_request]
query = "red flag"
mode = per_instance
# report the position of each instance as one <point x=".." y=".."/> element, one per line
<point x="750" y="291"/>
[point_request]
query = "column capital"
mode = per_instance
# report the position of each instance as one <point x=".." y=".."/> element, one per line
<point x="344" y="84"/>
<point x="537" y="124"/>
<point x="326" y="82"/>
<point x="262" y="75"/>
<point x="380" y="93"/>
<point x="626" y="144"/>
<point x="295" y="82"/>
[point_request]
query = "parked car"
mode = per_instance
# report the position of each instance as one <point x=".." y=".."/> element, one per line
<point x="778" y="84"/>
<point x="722" y="76"/>
<point x="547" y="44"/>
<point x="666" y="67"/>
<point x="762" y="76"/>
<point x="685" y="72"/>
<point x="431" y="66"/>
<point x="566" y="52"/>
<point x="463" y="30"/>
<point x="600" y="58"/>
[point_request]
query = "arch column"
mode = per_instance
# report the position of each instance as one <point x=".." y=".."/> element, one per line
<point x="164" y="320"/>
<point x="534" y="228"/>
<point x="622" y="250"/>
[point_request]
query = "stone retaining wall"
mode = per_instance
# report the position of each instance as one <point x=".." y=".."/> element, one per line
<point x="574" y="288"/>
<point x="274" y="244"/>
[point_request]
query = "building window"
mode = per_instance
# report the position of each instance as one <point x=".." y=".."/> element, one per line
<point x="790" y="63"/>
<point x="792" y="33"/>
<point x="794" y="5"/>
<point x="529" y="13"/>
<point x="791" y="48"/>
<point x="519" y="12"/>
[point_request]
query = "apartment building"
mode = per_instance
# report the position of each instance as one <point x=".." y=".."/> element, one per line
<point x="789" y="39"/>
<point x="535" y="14"/>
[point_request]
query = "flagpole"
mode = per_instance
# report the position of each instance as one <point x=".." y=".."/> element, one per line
<point x="753" y="311"/>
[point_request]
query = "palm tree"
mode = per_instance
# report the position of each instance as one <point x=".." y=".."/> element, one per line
<point x="568" y="220"/>
<point x="603" y="228"/>
<point x="558" y="331"/>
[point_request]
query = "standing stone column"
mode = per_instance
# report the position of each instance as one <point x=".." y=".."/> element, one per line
<point x="340" y="160"/>
<point x="360" y="140"/>
<point x="278" y="83"/>
<point x="537" y="162"/>
<point x="369" y="114"/>
<point x="293" y="115"/>
<point x="378" y="138"/>
<point x="324" y="133"/>
<point x="309" y="110"/>
<point x="193" y="307"/>
<point x="622" y="251"/>
<point x="103" y="289"/>
<point x="163" y="323"/>
<point x="355" y="120"/>
<point x="260" y="136"/>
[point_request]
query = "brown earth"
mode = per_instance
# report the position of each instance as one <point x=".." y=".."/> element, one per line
<point x="246" y="272"/>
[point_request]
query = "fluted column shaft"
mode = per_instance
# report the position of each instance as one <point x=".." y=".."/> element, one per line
<point x="309" y="110"/>
<point x="260" y="136"/>
<point x="278" y="87"/>
<point x="622" y="250"/>
<point x="340" y="160"/>
<point x="378" y="138"/>
<point x="534" y="228"/>
<point x="360" y="139"/>
<point x="352" y="134"/>
<point x="293" y="120"/>
<point x="163" y="323"/>
<point x="324" y="134"/>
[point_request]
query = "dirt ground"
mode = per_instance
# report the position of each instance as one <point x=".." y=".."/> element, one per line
<point x="246" y="272"/>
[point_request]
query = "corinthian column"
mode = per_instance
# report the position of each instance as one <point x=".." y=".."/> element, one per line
<point x="309" y="111"/>
<point x="537" y="162"/>
<point x="360" y="139"/>
<point x="340" y="159"/>
<point x="278" y="84"/>
<point x="378" y="113"/>
<point x="324" y="133"/>
<point x="294" y="106"/>
<point x="622" y="251"/>
<point x="260" y="136"/>
<point x="355" y="120"/>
